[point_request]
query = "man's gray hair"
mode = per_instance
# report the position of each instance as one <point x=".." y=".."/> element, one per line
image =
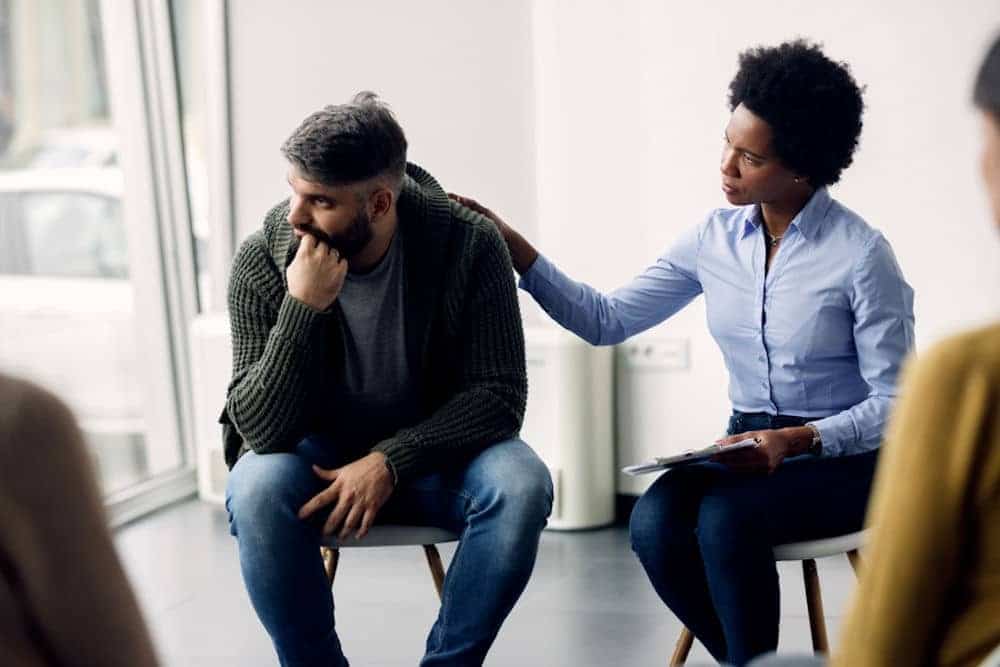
<point x="349" y="143"/>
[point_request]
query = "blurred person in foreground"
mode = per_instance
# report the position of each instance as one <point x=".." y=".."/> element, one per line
<point x="64" y="598"/>
<point x="929" y="592"/>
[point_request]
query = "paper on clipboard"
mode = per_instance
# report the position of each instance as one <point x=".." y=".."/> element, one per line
<point x="690" y="456"/>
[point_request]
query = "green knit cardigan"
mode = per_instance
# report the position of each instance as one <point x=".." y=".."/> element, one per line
<point x="464" y="339"/>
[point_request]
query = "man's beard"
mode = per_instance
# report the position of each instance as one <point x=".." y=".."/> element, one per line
<point x="357" y="236"/>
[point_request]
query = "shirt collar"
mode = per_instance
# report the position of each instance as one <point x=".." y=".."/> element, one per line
<point x="807" y="220"/>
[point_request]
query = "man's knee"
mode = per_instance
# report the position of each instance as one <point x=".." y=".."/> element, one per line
<point x="515" y="482"/>
<point x="267" y="487"/>
<point x="534" y="490"/>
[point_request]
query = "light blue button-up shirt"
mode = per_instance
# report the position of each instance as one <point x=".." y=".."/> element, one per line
<point x="822" y="335"/>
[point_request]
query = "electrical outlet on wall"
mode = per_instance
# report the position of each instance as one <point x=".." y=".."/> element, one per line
<point x="669" y="354"/>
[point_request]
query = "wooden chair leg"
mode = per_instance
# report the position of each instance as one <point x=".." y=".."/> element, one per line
<point x="814" y="603"/>
<point x="682" y="648"/>
<point x="330" y="559"/>
<point x="437" y="571"/>
<point x="855" y="559"/>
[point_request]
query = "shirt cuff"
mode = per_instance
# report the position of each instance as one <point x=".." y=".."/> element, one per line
<point x="836" y="434"/>
<point x="538" y="274"/>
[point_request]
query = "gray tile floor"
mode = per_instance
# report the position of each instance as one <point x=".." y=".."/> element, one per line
<point x="588" y="602"/>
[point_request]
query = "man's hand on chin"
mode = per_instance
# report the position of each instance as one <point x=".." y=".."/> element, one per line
<point x="357" y="492"/>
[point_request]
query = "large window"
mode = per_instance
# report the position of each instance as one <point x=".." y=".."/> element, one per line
<point x="62" y="234"/>
<point x="199" y="43"/>
<point x="91" y="269"/>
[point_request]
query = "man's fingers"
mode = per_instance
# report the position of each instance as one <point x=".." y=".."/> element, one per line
<point x="328" y="474"/>
<point x="351" y="522"/>
<point x="329" y="527"/>
<point x="320" y="247"/>
<point x="336" y="517"/>
<point x="320" y="500"/>
<point x="307" y="244"/>
<point x="331" y="523"/>
<point x="366" y="523"/>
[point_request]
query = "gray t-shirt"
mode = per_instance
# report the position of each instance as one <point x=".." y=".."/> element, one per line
<point x="377" y="395"/>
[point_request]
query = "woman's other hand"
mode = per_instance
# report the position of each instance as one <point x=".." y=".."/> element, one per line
<point x="773" y="446"/>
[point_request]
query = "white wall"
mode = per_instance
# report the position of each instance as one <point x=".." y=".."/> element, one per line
<point x="631" y="110"/>
<point x="457" y="74"/>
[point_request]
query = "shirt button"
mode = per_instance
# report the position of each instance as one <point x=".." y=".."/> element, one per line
<point x="764" y="385"/>
<point x="760" y="358"/>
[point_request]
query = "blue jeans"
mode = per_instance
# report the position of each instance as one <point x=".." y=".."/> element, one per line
<point x="498" y="502"/>
<point x="705" y="535"/>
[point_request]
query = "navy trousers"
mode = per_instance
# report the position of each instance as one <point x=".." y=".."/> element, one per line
<point x="705" y="534"/>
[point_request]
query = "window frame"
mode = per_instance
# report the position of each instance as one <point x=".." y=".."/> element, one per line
<point x="143" y="92"/>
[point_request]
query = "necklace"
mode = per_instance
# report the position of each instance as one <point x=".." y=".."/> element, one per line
<point x="772" y="240"/>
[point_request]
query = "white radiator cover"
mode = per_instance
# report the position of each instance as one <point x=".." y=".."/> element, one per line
<point x="568" y="421"/>
<point x="211" y="368"/>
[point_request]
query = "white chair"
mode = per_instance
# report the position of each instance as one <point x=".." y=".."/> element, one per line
<point x="391" y="535"/>
<point x="807" y="552"/>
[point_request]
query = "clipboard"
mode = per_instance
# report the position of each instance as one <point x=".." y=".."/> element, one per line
<point x="685" y="458"/>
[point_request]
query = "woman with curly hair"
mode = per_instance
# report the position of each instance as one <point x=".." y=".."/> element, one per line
<point x="813" y="318"/>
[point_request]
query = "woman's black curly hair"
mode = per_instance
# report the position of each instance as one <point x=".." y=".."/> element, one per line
<point x="812" y="104"/>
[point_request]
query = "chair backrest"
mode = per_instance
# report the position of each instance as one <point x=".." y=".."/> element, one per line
<point x="392" y="535"/>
